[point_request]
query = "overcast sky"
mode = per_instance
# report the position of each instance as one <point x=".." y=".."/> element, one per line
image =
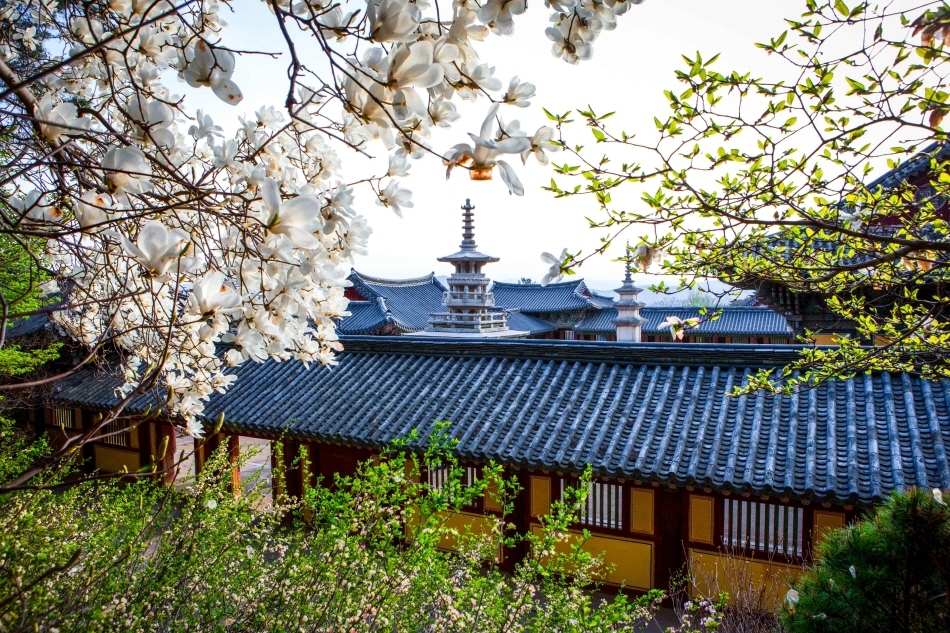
<point x="631" y="67"/>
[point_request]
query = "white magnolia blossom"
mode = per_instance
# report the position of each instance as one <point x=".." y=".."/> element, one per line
<point x="127" y="170"/>
<point x="399" y="163"/>
<point x="556" y="264"/>
<point x="152" y="121"/>
<point x="395" y="198"/>
<point x="297" y="219"/>
<point x="518" y="93"/>
<point x="542" y="141"/>
<point x="568" y="45"/>
<point x="483" y="157"/>
<point x="59" y="120"/>
<point x="393" y="20"/>
<point x="645" y="255"/>
<point x="159" y="250"/>
<point x="93" y="209"/>
<point x="211" y="293"/>
<point x="172" y="238"/>
<point x="203" y="65"/>
<point x="27" y="36"/>
<point x="34" y="206"/>
<point x="205" y="128"/>
<point x="499" y="14"/>
<point x="48" y="288"/>
<point x="679" y="326"/>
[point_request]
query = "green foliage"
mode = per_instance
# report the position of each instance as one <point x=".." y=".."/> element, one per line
<point x="18" y="450"/>
<point x="21" y="273"/>
<point x="889" y="572"/>
<point x="16" y="362"/>
<point x="765" y="181"/>
<point x="360" y="555"/>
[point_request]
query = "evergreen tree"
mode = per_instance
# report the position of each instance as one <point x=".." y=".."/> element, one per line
<point x="889" y="572"/>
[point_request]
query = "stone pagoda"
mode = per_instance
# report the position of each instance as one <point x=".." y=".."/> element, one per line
<point x="468" y="300"/>
<point x="629" y="322"/>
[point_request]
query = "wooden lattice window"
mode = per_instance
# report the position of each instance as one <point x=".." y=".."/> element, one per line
<point x="64" y="418"/>
<point x="763" y="527"/>
<point x="603" y="506"/>
<point x="440" y="475"/>
<point x="116" y="433"/>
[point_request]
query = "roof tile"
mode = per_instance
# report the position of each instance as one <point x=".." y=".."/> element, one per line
<point x="648" y="411"/>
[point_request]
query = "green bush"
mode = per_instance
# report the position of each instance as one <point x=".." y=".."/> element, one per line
<point x="361" y="555"/>
<point x="888" y="572"/>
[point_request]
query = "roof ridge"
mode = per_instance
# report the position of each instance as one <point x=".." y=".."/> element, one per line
<point x="661" y="354"/>
<point x="515" y="284"/>
<point x="414" y="281"/>
<point x="726" y="307"/>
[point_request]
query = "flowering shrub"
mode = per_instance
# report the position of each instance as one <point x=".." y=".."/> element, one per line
<point x="701" y="615"/>
<point x="143" y="557"/>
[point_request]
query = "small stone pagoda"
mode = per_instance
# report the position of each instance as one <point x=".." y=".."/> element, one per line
<point x="468" y="299"/>
<point x="629" y="322"/>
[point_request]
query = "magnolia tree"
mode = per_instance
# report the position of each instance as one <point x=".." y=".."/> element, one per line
<point x="164" y="237"/>
<point x="774" y="181"/>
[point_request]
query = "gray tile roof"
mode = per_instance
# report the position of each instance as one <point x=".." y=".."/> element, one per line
<point x="527" y="323"/>
<point x="734" y="321"/>
<point x="410" y="301"/>
<point x="97" y="388"/>
<point x="648" y="411"/>
<point x="600" y="300"/>
<point x="912" y="167"/>
<point x="27" y="325"/>
<point x="366" y="317"/>
<point x="538" y="299"/>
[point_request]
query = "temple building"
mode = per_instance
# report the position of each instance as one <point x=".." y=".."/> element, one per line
<point x="808" y="311"/>
<point x="685" y="469"/>
<point x="471" y="304"/>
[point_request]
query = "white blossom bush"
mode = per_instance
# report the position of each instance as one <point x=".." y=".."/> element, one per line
<point x="168" y="238"/>
<point x="361" y="557"/>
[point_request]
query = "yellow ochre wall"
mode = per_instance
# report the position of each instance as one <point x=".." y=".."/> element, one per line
<point x="701" y="510"/>
<point x="632" y="560"/>
<point x="825" y="521"/>
<point x="641" y="511"/>
<point x="714" y="573"/>
<point x="113" y="459"/>
<point x="466" y="523"/>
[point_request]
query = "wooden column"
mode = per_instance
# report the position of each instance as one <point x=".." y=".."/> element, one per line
<point x="167" y="464"/>
<point x="520" y="517"/>
<point x="234" y="455"/>
<point x="205" y="447"/>
<point x="670" y="529"/>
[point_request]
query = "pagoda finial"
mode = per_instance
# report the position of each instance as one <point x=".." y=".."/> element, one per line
<point x="468" y="226"/>
<point x="627" y="278"/>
